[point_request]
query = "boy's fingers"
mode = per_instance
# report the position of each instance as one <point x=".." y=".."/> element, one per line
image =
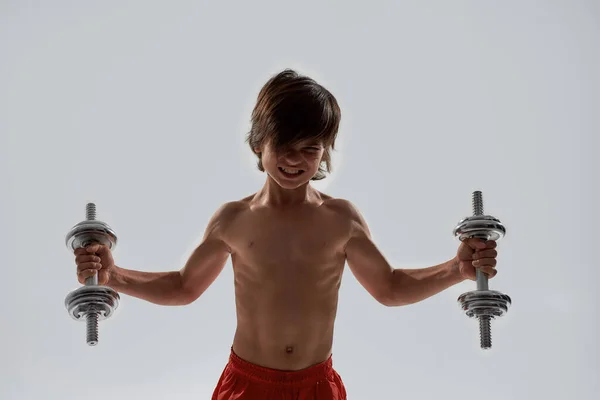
<point x="80" y="251"/>
<point x="485" y="254"/>
<point x="475" y="244"/>
<point x="93" y="248"/>
<point x="92" y="266"/>
<point x="99" y="249"/>
<point x="102" y="250"/>
<point x="485" y="262"/>
<point x="489" y="271"/>
<point x="87" y="258"/>
<point x="87" y="273"/>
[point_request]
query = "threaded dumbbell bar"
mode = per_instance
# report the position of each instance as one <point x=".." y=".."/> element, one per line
<point x="483" y="304"/>
<point x="92" y="303"/>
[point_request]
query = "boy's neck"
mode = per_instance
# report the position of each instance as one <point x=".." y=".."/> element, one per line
<point x="273" y="195"/>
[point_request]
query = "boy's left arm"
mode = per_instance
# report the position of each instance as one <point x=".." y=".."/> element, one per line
<point x="398" y="287"/>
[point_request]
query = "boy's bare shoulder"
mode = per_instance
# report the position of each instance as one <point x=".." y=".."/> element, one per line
<point x="343" y="207"/>
<point x="350" y="218"/>
<point x="229" y="210"/>
<point x="223" y="216"/>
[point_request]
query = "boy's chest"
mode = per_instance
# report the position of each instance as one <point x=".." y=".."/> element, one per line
<point x="268" y="237"/>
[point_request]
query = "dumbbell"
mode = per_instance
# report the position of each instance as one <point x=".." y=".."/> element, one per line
<point x="91" y="303"/>
<point x="483" y="303"/>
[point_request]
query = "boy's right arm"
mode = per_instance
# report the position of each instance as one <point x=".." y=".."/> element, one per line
<point x="167" y="288"/>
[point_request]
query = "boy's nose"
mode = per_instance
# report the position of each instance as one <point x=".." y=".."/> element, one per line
<point x="292" y="156"/>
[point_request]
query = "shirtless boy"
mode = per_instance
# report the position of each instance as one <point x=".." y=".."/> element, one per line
<point x="288" y="244"/>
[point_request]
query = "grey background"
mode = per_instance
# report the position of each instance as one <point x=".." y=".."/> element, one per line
<point x="141" y="107"/>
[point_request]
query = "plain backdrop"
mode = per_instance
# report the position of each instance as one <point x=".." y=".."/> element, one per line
<point x="142" y="107"/>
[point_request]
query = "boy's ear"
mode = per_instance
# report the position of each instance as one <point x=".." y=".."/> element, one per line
<point x="257" y="151"/>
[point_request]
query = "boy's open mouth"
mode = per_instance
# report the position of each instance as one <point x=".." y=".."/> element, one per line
<point x="291" y="172"/>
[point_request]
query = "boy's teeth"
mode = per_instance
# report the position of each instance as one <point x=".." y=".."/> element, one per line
<point x="290" y="171"/>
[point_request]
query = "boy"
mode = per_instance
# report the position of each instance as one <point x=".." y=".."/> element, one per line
<point x="289" y="244"/>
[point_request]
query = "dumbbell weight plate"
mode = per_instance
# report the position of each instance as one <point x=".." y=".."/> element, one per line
<point x="484" y="302"/>
<point x="89" y="232"/>
<point x="480" y="226"/>
<point x="101" y="299"/>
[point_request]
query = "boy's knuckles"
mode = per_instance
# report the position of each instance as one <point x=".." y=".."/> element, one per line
<point x="490" y="253"/>
<point x="89" y="266"/>
<point x="87" y="258"/>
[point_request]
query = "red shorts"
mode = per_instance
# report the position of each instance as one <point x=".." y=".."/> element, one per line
<point x="242" y="380"/>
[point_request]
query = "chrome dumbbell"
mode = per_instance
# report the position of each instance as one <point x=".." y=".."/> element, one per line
<point x="92" y="303"/>
<point x="483" y="303"/>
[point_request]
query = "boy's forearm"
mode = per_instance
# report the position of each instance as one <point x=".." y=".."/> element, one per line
<point x="163" y="288"/>
<point x="410" y="286"/>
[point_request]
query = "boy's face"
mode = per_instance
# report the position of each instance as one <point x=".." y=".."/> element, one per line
<point x="302" y="161"/>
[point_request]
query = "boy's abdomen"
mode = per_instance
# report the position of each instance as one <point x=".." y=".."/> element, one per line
<point x="291" y="339"/>
<point x="285" y="323"/>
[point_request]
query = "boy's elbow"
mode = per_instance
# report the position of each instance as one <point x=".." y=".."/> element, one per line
<point x="389" y="301"/>
<point x="185" y="299"/>
<point x="187" y="296"/>
<point x="184" y="294"/>
<point x="386" y="298"/>
<point x="396" y="303"/>
<point x="393" y="297"/>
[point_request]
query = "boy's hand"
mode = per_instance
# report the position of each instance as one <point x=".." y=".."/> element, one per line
<point x="477" y="254"/>
<point x="95" y="258"/>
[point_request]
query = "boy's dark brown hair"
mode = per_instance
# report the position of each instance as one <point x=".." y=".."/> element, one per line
<point x="292" y="108"/>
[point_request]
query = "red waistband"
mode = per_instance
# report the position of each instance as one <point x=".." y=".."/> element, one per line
<point x="310" y="375"/>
